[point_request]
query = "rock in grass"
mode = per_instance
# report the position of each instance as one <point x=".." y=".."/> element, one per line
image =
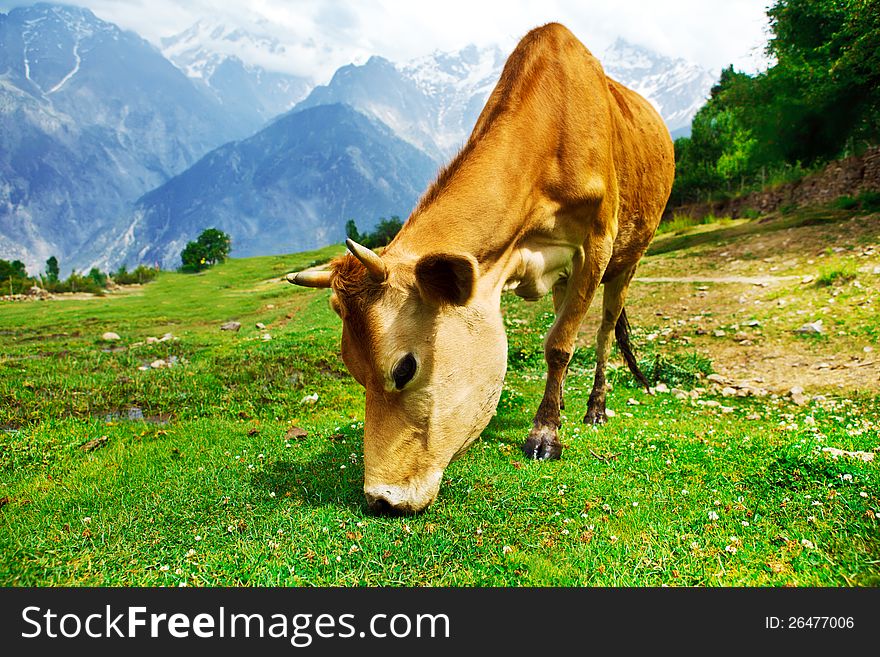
<point x="797" y="396"/>
<point x="260" y="325"/>
<point x="811" y="327"/>
<point x="295" y="433"/>
<point x="110" y="336"/>
<point x="230" y="326"/>
<point x="94" y="443"/>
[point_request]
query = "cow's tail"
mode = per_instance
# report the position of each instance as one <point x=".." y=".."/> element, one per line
<point x="621" y="333"/>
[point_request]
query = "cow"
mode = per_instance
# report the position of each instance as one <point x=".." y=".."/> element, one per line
<point x="559" y="189"/>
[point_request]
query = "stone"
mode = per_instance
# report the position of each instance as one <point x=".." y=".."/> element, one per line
<point x="260" y="325"/>
<point x="152" y="340"/>
<point x="310" y="399"/>
<point x="661" y="387"/>
<point x="157" y="364"/>
<point x="719" y="333"/>
<point x="110" y="336"/>
<point x="230" y="326"/>
<point x="811" y="327"/>
<point x="266" y="337"/>
<point x="295" y="433"/>
<point x="715" y="378"/>
<point x="728" y="392"/>
<point x="797" y="396"/>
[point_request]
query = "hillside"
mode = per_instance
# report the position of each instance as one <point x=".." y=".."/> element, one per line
<point x="174" y="461"/>
<point x="91" y="117"/>
<point x="290" y="187"/>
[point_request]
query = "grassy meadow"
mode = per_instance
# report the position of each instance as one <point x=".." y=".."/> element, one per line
<point x="114" y="472"/>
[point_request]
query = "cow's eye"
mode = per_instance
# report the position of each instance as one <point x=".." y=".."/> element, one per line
<point x="404" y="371"/>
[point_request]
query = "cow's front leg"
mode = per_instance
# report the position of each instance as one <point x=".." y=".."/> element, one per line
<point x="587" y="269"/>
<point x="543" y="440"/>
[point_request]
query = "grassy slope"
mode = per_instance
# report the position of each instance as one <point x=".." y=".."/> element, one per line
<point x="210" y="493"/>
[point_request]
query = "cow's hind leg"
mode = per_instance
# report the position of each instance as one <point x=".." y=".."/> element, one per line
<point x="613" y="299"/>
<point x="543" y="439"/>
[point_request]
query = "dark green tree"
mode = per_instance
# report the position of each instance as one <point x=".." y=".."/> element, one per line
<point x="351" y="231"/>
<point x="52" y="269"/>
<point x="211" y="247"/>
<point x="98" y="277"/>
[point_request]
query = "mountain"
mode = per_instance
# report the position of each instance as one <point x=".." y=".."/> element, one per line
<point x="91" y="117"/>
<point x="211" y="53"/>
<point x="676" y="87"/>
<point x="290" y="187"/>
<point x="432" y="102"/>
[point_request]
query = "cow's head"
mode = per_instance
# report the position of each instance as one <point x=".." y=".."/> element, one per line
<point x="429" y="347"/>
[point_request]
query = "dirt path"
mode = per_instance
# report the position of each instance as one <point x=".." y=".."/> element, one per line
<point x="762" y="281"/>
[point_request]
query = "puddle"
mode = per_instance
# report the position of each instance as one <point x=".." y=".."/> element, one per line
<point x="134" y="414"/>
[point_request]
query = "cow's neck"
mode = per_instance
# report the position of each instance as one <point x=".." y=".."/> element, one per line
<point x="489" y="208"/>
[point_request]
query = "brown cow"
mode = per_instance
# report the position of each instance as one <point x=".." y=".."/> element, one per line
<point x="559" y="188"/>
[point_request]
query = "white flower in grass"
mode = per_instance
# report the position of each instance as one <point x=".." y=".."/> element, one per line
<point x="863" y="494"/>
<point x="731" y="549"/>
<point x="808" y="544"/>
<point x="713" y="516"/>
<point x="506" y="549"/>
<point x="163" y="568"/>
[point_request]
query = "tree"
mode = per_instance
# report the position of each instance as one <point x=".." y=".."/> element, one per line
<point x="211" y="247"/>
<point x="351" y="231"/>
<point x="98" y="277"/>
<point x="52" y="269"/>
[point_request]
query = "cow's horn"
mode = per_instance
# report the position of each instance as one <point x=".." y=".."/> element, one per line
<point x="310" y="278"/>
<point x="370" y="259"/>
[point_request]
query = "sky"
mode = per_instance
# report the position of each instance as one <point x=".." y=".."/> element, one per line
<point x="321" y="35"/>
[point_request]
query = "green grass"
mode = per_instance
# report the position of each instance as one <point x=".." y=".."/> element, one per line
<point x="206" y="490"/>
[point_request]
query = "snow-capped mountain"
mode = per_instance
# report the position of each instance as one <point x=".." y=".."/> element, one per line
<point x="676" y="87"/>
<point x="91" y="117"/>
<point x="222" y="58"/>
<point x="432" y="102"/>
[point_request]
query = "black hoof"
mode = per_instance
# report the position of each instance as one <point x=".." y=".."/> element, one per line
<point x="542" y="444"/>
<point x="595" y="416"/>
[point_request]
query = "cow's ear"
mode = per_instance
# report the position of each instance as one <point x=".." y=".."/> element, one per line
<point x="446" y="278"/>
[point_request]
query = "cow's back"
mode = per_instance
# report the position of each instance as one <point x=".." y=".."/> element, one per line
<point x="591" y="137"/>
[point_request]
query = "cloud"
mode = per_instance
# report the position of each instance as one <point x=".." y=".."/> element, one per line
<point x="321" y="35"/>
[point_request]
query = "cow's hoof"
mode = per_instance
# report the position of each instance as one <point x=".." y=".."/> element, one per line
<point x="595" y="415"/>
<point x="542" y="444"/>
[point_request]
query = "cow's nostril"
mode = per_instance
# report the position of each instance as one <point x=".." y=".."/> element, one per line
<point x="381" y="506"/>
